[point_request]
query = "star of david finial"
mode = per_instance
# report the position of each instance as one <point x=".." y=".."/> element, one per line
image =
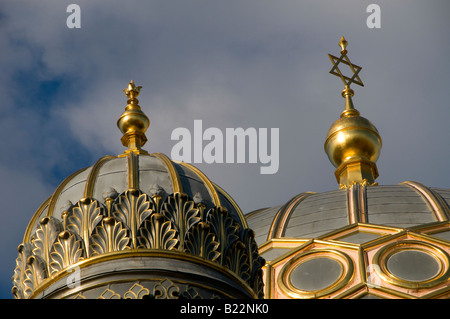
<point x="345" y="60"/>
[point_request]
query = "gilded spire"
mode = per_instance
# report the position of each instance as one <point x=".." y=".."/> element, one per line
<point x="133" y="123"/>
<point x="353" y="144"/>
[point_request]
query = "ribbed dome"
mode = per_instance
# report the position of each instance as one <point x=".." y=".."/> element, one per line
<point x="111" y="175"/>
<point x="398" y="236"/>
<point x="138" y="225"/>
<point x="363" y="240"/>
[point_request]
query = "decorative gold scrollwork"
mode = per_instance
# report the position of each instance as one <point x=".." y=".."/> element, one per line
<point x="166" y="289"/>
<point x="180" y="210"/>
<point x="200" y="241"/>
<point x="237" y="260"/>
<point x="84" y="217"/>
<point x="158" y="233"/>
<point x="46" y="235"/>
<point x="132" y="208"/>
<point x="137" y="291"/>
<point x="35" y="273"/>
<point x="110" y="235"/>
<point x="225" y="229"/>
<point x="19" y="271"/>
<point x="109" y="294"/>
<point x="163" y="289"/>
<point x="133" y="220"/>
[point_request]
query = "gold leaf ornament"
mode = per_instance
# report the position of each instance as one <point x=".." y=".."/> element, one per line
<point x="224" y="227"/>
<point x="181" y="211"/>
<point x="158" y="232"/>
<point x="67" y="250"/>
<point x="200" y="241"/>
<point x="132" y="207"/>
<point x="109" y="236"/>
<point x="237" y="260"/>
<point x="35" y="273"/>
<point x="45" y="236"/>
<point x="19" y="271"/>
<point x="84" y="217"/>
<point x="137" y="291"/>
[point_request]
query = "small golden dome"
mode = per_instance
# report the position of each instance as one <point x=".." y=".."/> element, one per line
<point x="352" y="136"/>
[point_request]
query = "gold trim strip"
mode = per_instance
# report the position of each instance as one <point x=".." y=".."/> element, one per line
<point x="353" y="292"/>
<point x="90" y="182"/>
<point x="352" y="205"/>
<point x="212" y="191"/>
<point x="284" y="243"/>
<point x="174" y="177"/>
<point x="433" y="200"/>
<point x="303" y="243"/>
<point x="267" y="275"/>
<point x="377" y="242"/>
<point x="438" y="294"/>
<point x="277" y="229"/>
<point x="363" y="210"/>
<point x="431" y="228"/>
<point x="141" y="253"/>
<point x="337" y="244"/>
<point x="55" y="195"/>
<point x="360" y="227"/>
<point x="357" y="203"/>
<point x="33" y="220"/>
<point x="361" y="289"/>
<point x="133" y="171"/>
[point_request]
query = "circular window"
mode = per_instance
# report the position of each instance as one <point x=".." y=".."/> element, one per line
<point x="315" y="273"/>
<point x="412" y="264"/>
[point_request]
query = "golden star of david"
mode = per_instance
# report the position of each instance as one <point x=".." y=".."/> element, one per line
<point x="344" y="59"/>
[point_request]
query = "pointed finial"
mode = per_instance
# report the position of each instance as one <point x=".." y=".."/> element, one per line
<point x="343" y="44"/>
<point x="133" y="123"/>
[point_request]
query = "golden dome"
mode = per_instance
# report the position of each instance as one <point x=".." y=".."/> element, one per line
<point x="352" y="137"/>
<point x="138" y="225"/>
<point x="386" y="241"/>
<point x="359" y="241"/>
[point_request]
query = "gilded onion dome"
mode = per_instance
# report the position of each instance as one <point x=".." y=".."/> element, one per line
<point x="138" y="225"/>
<point x="362" y="240"/>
